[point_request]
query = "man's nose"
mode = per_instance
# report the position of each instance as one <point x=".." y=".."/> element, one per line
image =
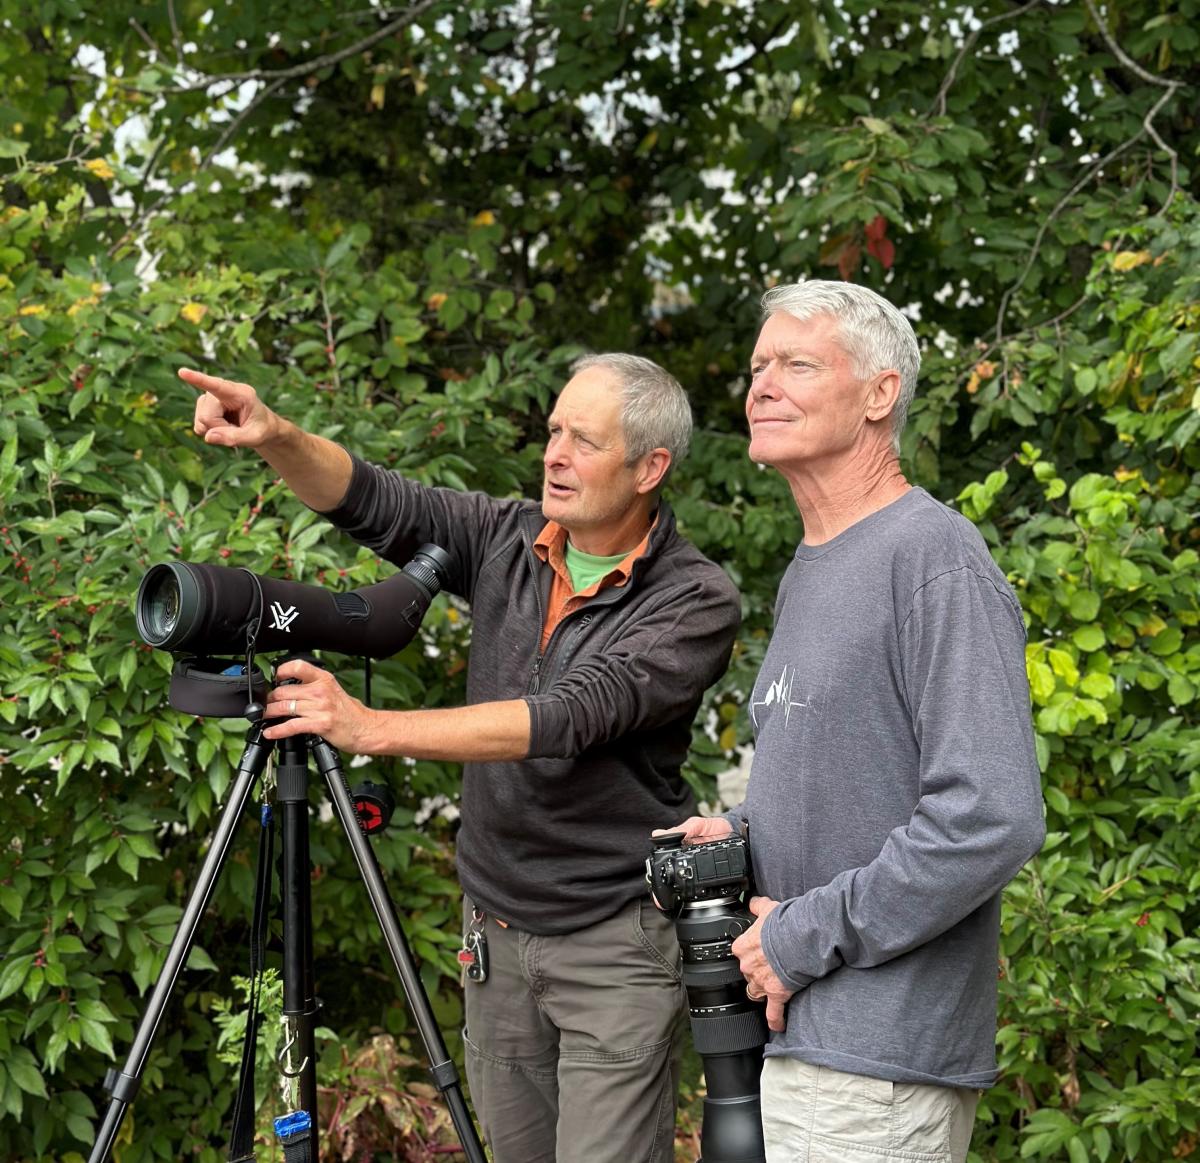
<point x="554" y="453"/>
<point x="764" y="385"/>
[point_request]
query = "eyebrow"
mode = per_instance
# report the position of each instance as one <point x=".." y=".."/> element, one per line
<point x="573" y="429"/>
<point x="786" y="353"/>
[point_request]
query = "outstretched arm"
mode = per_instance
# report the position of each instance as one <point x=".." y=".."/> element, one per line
<point x="231" y="414"/>
<point x="318" y="705"/>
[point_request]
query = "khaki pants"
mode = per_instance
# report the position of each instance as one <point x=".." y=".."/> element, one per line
<point x="572" y="1043"/>
<point x="812" y="1114"/>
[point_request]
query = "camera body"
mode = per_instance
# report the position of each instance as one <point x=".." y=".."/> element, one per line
<point x="703" y="888"/>
<point x="713" y="870"/>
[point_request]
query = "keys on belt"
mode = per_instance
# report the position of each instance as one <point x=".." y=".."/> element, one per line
<point x="473" y="956"/>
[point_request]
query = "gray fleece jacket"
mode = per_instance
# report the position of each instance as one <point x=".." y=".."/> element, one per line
<point x="558" y="841"/>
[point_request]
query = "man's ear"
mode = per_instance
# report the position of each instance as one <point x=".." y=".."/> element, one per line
<point x="654" y="469"/>
<point x="882" y="395"/>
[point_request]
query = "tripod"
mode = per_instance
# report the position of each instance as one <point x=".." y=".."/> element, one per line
<point x="299" y="999"/>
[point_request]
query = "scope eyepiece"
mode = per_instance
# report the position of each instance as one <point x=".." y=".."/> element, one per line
<point x="430" y="566"/>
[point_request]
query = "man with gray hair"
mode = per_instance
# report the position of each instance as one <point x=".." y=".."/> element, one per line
<point x="596" y="630"/>
<point x="894" y="789"/>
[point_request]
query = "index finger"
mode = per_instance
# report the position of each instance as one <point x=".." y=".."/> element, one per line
<point x="224" y="390"/>
<point x="298" y="668"/>
<point x="775" y="1018"/>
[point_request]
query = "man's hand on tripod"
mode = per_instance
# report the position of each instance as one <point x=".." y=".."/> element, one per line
<point x="318" y="706"/>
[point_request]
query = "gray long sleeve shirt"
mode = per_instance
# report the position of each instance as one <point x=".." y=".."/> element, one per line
<point x="894" y="792"/>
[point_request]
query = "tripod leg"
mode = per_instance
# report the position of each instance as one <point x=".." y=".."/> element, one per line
<point x="299" y="986"/>
<point x="442" y="1068"/>
<point x="124" y="1086"/>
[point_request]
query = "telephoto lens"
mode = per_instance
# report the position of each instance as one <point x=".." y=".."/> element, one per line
<point x="216" y="609"/>
<point x="701" y="887"/>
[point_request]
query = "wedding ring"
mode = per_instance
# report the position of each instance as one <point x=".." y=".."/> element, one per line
<point x="292" y="706"/>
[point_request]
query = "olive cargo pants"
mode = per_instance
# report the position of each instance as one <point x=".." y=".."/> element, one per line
<point x="573" y="1041"/>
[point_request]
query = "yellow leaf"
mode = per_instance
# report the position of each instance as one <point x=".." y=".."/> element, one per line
<point x="33" y="309"/>
<point x="1152" y="627"/>
<point x="484" y="218"/>
<point x="377" y="92"/>
<point x="100" y="168"/>
<point x="193" y="312"/>
<point x="1126" y="260"/>
<point x="435" y="300"/>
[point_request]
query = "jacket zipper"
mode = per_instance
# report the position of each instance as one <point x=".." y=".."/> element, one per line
<point x="535" y="677"/>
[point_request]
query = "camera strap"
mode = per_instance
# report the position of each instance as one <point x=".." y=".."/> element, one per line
<point x="241" y="1138"/>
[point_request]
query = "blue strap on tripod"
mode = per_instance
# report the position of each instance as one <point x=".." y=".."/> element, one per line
<point x="241" y="1137"/>
<point x="294" y="1132"/>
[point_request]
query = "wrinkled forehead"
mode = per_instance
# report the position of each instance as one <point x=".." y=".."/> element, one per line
<point x="819" y="336"/>
<point x="591" y="398"/>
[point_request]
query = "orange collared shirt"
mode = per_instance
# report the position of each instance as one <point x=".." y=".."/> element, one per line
<point x="551" y="547"/>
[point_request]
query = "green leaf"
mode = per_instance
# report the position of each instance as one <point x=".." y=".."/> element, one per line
<point x="12" y="976"/>
<point x="1058" y="800"/>
<point x="1089" y="638"/>
<point x="96" y="1035"/>
<point x="11" y="901"/>
<point x="27" y="1077"/>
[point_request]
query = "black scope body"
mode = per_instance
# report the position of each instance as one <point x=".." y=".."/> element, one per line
<point x="217" y="609"/>
<point x="701" y="887"/>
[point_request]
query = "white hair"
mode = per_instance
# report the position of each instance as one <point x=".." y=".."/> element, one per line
<point x="874" y="334"/>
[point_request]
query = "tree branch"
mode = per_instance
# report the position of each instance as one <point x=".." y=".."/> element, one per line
<point x="938" y="108"/>
<point x="1062" y="203"/>
<point x="317" y="63"/>
<point x="232" y="128"/>
<point x="1150" y="79"/>
<point x="1148" y="129"/>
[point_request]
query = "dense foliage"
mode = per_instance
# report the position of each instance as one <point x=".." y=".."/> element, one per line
<point x="400" y="224"/>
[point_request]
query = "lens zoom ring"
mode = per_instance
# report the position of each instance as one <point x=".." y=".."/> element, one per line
<point x="729" y="1033"/>
<point x="710" y="974"/>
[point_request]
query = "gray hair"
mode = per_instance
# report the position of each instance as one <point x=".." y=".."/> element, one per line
<point x="655" y="412"/>
<point x="874" y="334"/>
